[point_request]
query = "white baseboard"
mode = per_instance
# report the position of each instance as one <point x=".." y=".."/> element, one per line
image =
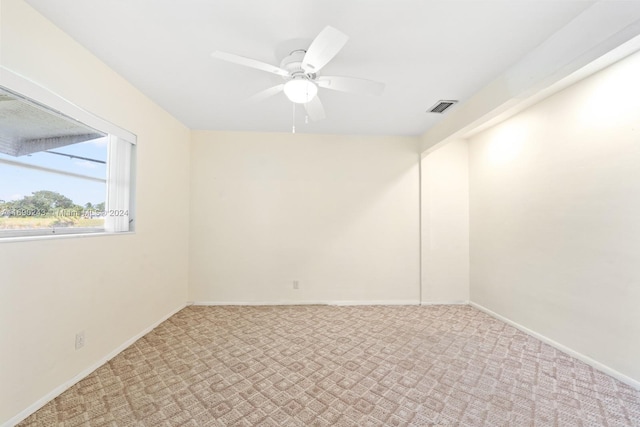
<point x="66" y="385"/>
<point x="332" y="302"/>
<point x="345" y="302"/>
<point x="458" y="302"/>
<point x="376" y="302"/>
<point x="586" y="359"/>
<point x="257" y="303"/>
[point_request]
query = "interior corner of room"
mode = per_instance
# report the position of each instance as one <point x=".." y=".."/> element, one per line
<point x="523" y="201"/>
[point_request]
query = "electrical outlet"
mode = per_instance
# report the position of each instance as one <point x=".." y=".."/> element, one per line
<point x="79" y="340"/>
<point x="296" y="284"/>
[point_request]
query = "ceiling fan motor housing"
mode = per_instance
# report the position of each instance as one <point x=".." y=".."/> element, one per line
<point x="293" y="64"/>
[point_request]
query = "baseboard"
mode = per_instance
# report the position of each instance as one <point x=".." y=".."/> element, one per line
<point x="376" y="302"/>
<point x="317" y="302"/>
<point x="586" y="359"/>
<point x="257" y="303"/>
<point x="457" y="302"/>
<point x="66" y="385"/>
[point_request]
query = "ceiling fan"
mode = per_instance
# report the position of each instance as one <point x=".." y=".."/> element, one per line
<point x="300" y="73"/>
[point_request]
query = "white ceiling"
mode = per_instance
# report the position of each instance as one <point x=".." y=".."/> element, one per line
<point x="424" y="50"/>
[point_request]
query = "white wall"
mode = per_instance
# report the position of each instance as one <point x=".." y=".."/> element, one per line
<point x="555" y="211"/>
<point x="339" y="214"/>
<point x="445" y="224"/>
<point x="112" y="287"/>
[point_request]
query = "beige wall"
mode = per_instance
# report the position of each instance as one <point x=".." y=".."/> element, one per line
<point x="337" y="213"/>
<point x="555" y="209"/>
<point x="445" y="224"/>
<point x="112" y="287"/>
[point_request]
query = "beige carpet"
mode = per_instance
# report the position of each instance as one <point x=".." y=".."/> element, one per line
<point x="341" y="366"/>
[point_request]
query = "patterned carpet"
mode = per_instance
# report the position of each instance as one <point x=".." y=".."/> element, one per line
<point x="341" y="366"/>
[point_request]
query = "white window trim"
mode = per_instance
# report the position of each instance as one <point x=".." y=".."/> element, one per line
<point x="120" y="185"/>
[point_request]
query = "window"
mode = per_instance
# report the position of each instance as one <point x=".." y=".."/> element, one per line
<point x="58" y="174"/>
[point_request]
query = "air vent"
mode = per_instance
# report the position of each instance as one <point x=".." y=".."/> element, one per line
<point x="441" y="107"/>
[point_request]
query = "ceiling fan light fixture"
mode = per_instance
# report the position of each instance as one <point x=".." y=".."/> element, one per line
<point x="300" y="90"/>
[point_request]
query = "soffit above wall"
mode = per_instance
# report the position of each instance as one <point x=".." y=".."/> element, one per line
<point x="27" y="128"/>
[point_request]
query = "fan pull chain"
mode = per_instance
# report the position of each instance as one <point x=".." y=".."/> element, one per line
<point x="293" y="121"/>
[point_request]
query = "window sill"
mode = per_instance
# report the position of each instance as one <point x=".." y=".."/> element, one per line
<point x="61" y="236"/>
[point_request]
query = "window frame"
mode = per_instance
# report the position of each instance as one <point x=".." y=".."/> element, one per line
<point x="120" y="180"/>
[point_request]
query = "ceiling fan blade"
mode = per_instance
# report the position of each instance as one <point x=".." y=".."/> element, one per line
<point x="248" y="62"/>
<point x="351" y="84"/>
<point x="267" y="93"/>
<point x="323" y="48"/>
<point x="314" y="109"/>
